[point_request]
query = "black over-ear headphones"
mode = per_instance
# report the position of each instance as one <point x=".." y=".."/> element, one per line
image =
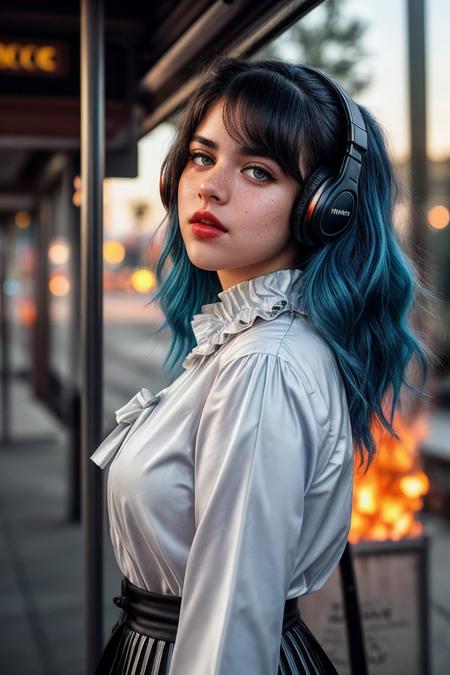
<point x="326" y="207"/>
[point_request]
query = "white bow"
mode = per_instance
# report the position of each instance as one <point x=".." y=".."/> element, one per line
<point x="125" y="416"/>
<point x="128" y="412"/>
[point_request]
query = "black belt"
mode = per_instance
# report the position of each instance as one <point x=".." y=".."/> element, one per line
<point x="157" y="614"/>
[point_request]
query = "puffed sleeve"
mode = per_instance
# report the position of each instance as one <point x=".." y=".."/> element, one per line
<point x="255" y="448"/>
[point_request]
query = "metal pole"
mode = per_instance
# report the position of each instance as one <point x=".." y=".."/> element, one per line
<point x="418" y="136"/>
<point x="5" y="408"/>
<point x="354" y="625"/>
<point x="41" y="327"/>
<point x="74" y="467"/>
<point x="418" y="245"/>
<point x="92" y="173"/>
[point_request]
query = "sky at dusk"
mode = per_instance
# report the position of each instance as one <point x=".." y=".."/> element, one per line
<point x="386" y="39"/>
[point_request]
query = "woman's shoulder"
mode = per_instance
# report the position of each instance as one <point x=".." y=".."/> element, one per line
<point x="291" y="338"/>
<point x="301" y="367"/>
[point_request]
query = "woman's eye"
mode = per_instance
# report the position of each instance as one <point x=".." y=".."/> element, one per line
<point x="195" y="155"/>
<point x="266" y="175"/>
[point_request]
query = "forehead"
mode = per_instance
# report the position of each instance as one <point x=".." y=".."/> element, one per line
<point x="213" y="120"/>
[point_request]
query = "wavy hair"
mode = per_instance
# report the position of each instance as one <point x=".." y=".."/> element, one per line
<point x="359" y="290"/>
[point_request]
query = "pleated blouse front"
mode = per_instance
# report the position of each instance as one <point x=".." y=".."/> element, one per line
<point x="232" y="487"/>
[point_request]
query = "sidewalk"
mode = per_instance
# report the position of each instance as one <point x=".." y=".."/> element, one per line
<point x="41" y="582"/>
<point x="42" y="556"/>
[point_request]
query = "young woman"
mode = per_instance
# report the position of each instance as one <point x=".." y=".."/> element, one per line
<point x="288" y="294"/>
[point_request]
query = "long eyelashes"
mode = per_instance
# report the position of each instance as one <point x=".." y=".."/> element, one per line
<point x="268" y="176"/>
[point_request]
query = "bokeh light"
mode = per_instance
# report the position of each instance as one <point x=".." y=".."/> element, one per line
<point x="439" y="217"/>
<point x="58" y="284"/>
<point x="22" y="220"/>
<point x="27" y="312"/>
<point x="11" y="286"/>
<point x="113" y="252"/>
<point x="58" y="252"/>
<point x="143" y="280"/>
<point x="76" y="197"/>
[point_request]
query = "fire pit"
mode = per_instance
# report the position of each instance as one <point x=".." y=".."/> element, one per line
<point x="390" y="555"/>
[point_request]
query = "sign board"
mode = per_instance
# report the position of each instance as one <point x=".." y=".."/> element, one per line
<point x="44" y="66"/>
<point x="40" y="96"/>
<point x="392" y="581"/>
<point x="33" y="58"/>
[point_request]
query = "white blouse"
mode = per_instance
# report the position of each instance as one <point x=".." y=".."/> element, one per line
<point x="232" y="487"/>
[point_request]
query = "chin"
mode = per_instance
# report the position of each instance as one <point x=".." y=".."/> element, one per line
<point x="203" y="263"/>
<point x="203" y="260"/>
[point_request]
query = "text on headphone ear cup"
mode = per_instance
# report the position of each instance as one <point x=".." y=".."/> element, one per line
<point x="301" y="219"/>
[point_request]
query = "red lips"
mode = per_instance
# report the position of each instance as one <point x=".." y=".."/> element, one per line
<point x="207" y="216"/>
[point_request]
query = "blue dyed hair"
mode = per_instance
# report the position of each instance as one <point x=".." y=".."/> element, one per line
<point x="359" y="291"/>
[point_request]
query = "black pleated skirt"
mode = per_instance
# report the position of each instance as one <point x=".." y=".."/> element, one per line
<point x="137" y="654"/>
<point x="132" y="652"/>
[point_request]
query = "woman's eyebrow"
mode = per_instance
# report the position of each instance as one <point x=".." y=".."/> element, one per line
<point x="205" y="141"/>
<point x="244" y="149"/>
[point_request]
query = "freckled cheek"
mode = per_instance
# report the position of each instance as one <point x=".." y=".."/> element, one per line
<point x="269" y="218"/>
<point x="184" y="193"/>
<point x="186" y="182"/>
<point x="182" y="187"/>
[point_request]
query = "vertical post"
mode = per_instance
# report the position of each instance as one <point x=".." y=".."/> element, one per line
<point x="41" y="327"/>
<point x="92" y="173"/>
<point x="418" y="245"/>
<point x="5" y="408"/>
<point x="418" y="137"/>
<point x="353" y="620"/>
<point x="74" y="468"/>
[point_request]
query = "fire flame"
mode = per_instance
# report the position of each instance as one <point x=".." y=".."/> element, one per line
<point x="386" y="498"/>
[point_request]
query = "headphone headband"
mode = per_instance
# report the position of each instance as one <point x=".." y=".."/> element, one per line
<point x="356" y="128"/>
<point x="327" y="205"/>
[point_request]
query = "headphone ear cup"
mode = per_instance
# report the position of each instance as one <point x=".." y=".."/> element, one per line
<point x="304" y="231"/>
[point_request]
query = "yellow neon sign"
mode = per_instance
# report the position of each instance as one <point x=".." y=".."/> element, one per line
<point x="31" y="58"/>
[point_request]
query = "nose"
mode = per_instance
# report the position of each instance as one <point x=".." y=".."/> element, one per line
<point x="214" y="186"/>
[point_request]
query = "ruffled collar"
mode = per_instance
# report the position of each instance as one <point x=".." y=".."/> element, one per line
<point x="265" y="296"/>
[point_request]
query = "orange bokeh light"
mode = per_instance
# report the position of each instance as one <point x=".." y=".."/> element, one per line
<point x="58" y="284"/>
<point x="439" y="217"/>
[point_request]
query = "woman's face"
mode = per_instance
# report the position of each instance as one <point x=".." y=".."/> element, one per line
<point x="251" y="197"/>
